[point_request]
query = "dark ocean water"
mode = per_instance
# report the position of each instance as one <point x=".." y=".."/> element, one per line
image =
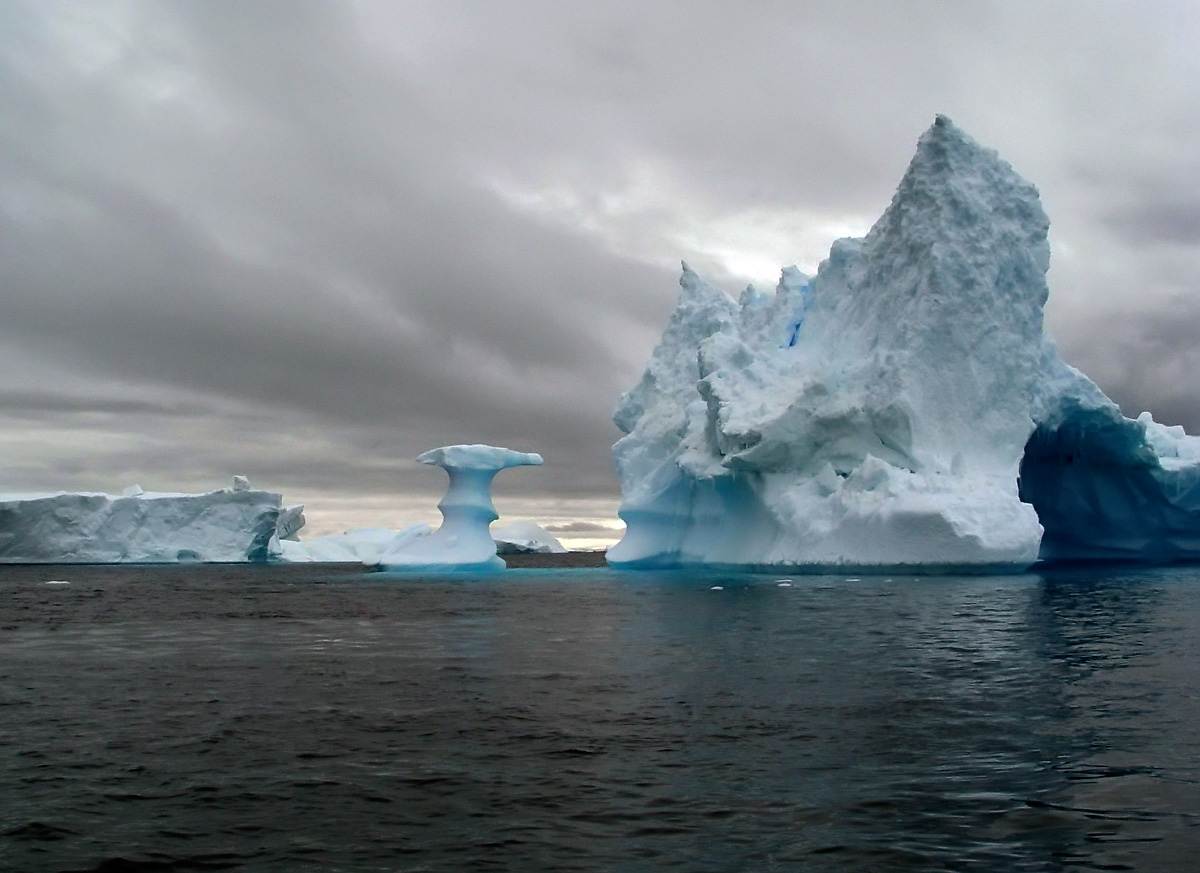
<point x="300" y="718"/>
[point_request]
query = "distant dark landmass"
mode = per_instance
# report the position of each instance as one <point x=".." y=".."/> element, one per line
<point x="560" y="560"/>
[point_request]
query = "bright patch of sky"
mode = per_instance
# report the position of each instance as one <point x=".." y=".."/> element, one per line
<point x="659" y="219"/>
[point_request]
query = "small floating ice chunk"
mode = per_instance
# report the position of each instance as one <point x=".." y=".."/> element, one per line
<point x="57" y="582"/>
<point x="784" y="583"/>
<point x="717" y="588"/>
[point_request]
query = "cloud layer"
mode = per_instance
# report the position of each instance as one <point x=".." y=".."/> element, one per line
<point x="308" y="241"/>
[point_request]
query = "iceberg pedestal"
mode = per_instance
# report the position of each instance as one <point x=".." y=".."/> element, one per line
<point x="463" y="542"/>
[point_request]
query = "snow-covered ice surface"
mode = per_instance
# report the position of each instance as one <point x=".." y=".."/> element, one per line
<point x="525" y="537"/>
<point x="363" y="546"/>
<point x="463" y="542"/>
<point x="369" y="545"/>
<point x="232" y="525"/>
<point x="877" y="415"/>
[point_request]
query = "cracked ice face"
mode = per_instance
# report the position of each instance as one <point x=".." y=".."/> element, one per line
<point x="875" y="415"/>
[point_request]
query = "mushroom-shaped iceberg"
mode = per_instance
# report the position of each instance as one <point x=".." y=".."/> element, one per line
<point x="463" y="542"/>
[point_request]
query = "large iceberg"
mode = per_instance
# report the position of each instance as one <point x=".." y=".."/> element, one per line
<point x="237" y="524"/>
<point x="901" y="409"/>
<point x="463" y="542"/>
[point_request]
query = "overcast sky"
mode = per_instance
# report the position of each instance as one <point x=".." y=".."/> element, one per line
<point x="306" y="241"/>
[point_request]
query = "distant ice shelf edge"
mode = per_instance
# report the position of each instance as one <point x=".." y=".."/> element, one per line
<point x="232" y="525"/>
<point x="903" y="409"/>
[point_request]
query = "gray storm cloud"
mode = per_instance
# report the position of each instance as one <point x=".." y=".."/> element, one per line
<point x="308" y="241"/>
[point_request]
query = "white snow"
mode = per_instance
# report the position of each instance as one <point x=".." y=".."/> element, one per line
<point x="876" y="415"/>
<point x="368" y="545"/>
<point x="219" y="526"/>
<point x="525" y="537"/>
<point x="363" y="546"/>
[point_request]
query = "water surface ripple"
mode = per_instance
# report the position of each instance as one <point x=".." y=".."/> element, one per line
<point x="307" y="718"/>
